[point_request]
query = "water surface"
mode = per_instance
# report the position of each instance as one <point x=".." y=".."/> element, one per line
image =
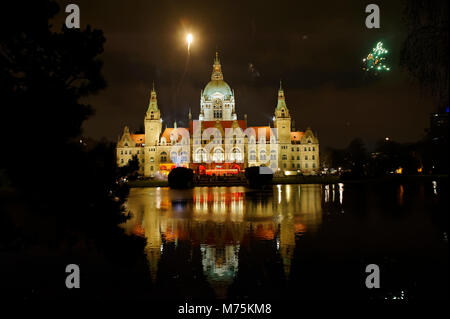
<point x="294" y="241"/>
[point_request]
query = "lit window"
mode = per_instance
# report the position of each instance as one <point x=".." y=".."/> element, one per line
<point x="262" y="155"/>
<point x="218" y="155"/>
<point x="273" y="155"/>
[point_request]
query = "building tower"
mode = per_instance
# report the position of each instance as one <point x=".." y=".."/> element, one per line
<point x="217" y="99"/>
<point x="282" y="124"/>
<point x="153" y="126"/>
<point x="282" y="119"/>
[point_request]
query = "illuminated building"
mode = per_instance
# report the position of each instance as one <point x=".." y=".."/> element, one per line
<point x="289" y="151"/>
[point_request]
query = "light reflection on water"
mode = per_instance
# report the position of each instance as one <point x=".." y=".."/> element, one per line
<point x="219" y="219"/>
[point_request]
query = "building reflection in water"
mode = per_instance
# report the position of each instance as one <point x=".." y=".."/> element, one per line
<point x="220" y="219"/>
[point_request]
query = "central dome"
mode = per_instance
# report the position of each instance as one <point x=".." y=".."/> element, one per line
<point x="217" y="86"/>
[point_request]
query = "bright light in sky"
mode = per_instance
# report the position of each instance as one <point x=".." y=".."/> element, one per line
<point x="189" y="39"/>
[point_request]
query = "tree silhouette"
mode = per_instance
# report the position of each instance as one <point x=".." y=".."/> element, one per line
<point x="44" y="74"/>
<point x="425" y="51"/>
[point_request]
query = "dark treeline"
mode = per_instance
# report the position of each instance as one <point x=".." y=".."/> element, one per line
<point x="429" y="156"/>
<point x="67" y="190"/>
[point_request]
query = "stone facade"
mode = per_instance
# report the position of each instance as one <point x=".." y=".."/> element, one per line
<point x="205" y="146"/>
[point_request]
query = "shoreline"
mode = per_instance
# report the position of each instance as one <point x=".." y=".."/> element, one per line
<point x="305" y="180"/>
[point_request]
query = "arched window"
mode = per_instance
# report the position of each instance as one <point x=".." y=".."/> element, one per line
<point x="273" y="155"/>
<point x="252" y="156"/>
<point x="218" y="155"/>
<point x="236" y="155"/>
<point x="152" y="116"/>
<point x="163" y="157"/>
<point x="313" y="157"/>
<point x="262" y="155"/>
<point x="174" y="157"/>
<point x="306" y="157"/>
<point x="200" y="155"/>
<point x="284" y="157"/>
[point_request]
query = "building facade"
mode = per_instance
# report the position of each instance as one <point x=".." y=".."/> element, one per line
<point x="219" y="143"/>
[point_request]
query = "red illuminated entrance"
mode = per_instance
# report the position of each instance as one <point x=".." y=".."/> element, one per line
<point x="217" y="169"/>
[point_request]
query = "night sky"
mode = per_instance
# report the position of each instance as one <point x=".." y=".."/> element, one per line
<point x="314" y="47"/>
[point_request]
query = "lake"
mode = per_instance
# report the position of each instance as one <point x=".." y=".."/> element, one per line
<point x="294" y="241"/>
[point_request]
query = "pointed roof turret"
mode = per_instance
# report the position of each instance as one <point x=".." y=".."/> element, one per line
<point x="281" y="99"/>
<point x="153" y="103"/>
<point x="217" y="69"/>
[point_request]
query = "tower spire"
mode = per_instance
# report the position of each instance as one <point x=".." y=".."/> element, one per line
<point x="281" y="99"/>
<point x="153" y="103"/>
<point x="217" y="68"/>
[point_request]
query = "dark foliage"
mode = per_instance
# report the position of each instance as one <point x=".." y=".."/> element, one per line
<point x="131" y="169"/>
<point x="425" y="52"/>
<point x="256" y="179"/>
<point x="43" y="76"/>
<point x="181" y="177"/>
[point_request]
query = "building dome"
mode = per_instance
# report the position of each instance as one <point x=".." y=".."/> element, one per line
<point x="217" y="86"/>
